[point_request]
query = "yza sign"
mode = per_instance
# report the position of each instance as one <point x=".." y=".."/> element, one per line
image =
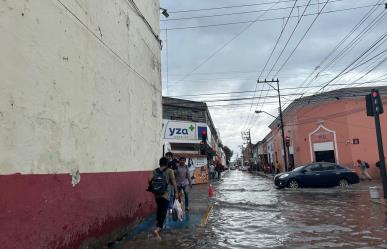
<point x="179" y="130"/>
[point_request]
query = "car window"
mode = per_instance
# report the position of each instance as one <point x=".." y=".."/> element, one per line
<point x="327" y="166"/>
<point x="313" y="167"/>
<point x="299" y="168"/>
<point x="338" y="167"/>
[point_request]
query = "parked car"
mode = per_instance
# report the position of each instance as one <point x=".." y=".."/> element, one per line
<point x="315" y="175"/>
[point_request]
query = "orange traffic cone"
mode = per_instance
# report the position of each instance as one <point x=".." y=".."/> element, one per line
<point x="210" y="191"/>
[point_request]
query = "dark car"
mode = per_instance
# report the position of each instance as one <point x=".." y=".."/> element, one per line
<point x="317" y="175"/>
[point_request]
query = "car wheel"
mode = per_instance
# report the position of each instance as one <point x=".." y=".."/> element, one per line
<point x="343" y="183"/>
<point x="293" y="184"/>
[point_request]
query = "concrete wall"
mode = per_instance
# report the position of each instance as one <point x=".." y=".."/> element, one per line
<point x="80" y="118"/>
<point x="74" y="96"/>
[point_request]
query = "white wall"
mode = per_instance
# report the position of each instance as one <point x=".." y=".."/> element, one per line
<point x="79" y="92"/>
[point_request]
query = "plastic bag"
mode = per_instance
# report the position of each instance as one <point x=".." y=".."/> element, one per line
<point x="178" y="210"/>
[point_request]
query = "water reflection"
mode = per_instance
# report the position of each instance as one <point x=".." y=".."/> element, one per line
<point x="250" y="213"/>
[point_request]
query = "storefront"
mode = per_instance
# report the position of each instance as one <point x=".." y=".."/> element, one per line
<point x="183" y="138"/>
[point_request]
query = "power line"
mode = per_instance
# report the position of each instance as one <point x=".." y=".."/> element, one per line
<point x="268" y="60"/>
<point x="302" y="38"/>
<point x="226" y="93"/>
<point x="352" y="43"/>
<point x="149" y="26"/>
<point x="271" y="19"/>
<point x="223" y="46"/>
<point x="268" y="96"/>
<point x="241" y="13"/>
<point x="344" y="71"/>
<point x="237" y="99"/>
<point x="286" y="44"/>
<point x="290" y="37"/>
<point x="124" y="62"/>
<point x="229" y="7"/>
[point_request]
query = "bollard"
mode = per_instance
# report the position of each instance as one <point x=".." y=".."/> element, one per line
<point x="210" y="191"/>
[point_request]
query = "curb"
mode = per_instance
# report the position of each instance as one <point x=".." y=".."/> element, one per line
<point x="204" y="220"/>
<point x="379" y="201"/>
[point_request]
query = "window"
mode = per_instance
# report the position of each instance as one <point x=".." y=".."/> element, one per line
<point x="338" y="167"/>
<point x="313" y="167"/>
<point x="327" y="166"/>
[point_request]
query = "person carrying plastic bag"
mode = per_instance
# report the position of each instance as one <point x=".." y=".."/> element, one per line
<point x="161" y="181"/>
<point x="177" y="213"/>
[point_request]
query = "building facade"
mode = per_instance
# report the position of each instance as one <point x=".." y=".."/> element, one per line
<point x="80" y="117"/>
<point x="184" y="122"/>
<point x="331" y="127"/>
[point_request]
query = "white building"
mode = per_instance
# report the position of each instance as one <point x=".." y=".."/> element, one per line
<point x="80" y="118"/>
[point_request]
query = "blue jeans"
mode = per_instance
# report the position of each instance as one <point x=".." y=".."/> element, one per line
<point x="184" y="188"/>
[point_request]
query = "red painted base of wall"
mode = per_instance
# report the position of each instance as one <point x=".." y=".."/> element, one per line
<point x="46" y="211"/>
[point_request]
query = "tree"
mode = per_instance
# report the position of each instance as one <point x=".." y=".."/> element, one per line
<point x="228" y="153"/>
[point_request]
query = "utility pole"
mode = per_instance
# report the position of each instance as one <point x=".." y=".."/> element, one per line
<point x="280" y="114"/>
<point x="251" y="146"/>
<point x="374" y="108"/>
<point x="246" y="136"/>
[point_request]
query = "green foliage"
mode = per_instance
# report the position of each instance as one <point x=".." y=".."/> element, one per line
<point x="228" y="153"/>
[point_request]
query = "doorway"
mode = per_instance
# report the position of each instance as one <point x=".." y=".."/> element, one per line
<point x="325" y="156"/>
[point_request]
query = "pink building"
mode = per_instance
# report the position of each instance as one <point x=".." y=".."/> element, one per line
<point x="332" y="127"/>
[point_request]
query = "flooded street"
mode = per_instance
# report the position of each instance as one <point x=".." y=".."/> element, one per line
<point x="250" y="213"/>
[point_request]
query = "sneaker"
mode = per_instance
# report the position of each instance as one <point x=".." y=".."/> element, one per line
<point x="187" y="209"/>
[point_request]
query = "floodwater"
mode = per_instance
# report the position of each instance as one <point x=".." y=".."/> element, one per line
<point x="250" y="213"/>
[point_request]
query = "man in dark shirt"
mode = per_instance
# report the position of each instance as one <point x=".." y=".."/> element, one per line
<point x="172" y="162"/>
<point x="162" y="199"/>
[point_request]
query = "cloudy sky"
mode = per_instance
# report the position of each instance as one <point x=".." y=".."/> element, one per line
<point x="216" y="50"/>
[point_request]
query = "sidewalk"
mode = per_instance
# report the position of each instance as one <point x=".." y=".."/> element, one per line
<point x="199" y="204"/>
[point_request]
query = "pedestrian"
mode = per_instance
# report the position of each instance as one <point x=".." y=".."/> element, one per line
<point x="172" y="164"/>
<point x="364" y="169"/>
<point x="161" y="181"/>
<point x="183" y="180"/>
<point x="212" y="171"/>
<point x="219" y="169"/>
<point x="172" y="161"/>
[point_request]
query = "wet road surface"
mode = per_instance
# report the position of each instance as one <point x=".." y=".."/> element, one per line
<point x="250" y="213"/>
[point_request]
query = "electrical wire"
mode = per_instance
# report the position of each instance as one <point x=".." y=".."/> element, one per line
<point x="267" y="61"/>
<point x="270" y="19"/>
<point x="242" y="12"/>
<point x="229" y="7"/>
<point x="117" y="56"/>
<point x="217" y="51"/>
<point x="308" y="80"/>
<point x="301" y="40"/>
<point x="285" y="46"/>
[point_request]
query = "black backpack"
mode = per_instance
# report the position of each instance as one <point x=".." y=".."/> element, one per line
<point x="159" y="183"/>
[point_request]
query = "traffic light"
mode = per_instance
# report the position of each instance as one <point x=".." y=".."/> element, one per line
<point x="287" y="141"/>
<point x="203" y="143"/>
<point x="374" y="103"/>
<point x="204" y="137"/>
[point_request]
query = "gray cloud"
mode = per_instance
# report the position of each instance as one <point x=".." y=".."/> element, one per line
<point x="240" y="62"/>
